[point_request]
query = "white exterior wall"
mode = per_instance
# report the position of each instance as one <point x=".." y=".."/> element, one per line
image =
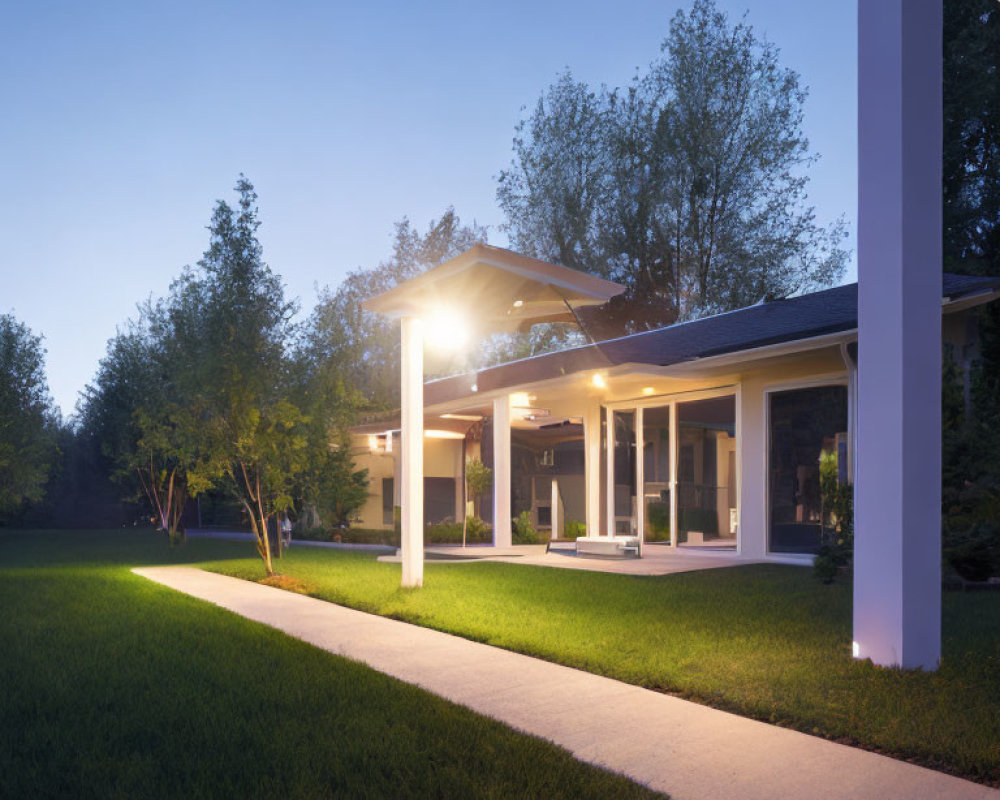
<point x="442" y="459"/>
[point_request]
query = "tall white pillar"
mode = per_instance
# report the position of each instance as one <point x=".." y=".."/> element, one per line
<point x="897" y="569"/>
<point x="592" y="467"/>
<point x="501" y="472"/>
<point x="412" y="444"/>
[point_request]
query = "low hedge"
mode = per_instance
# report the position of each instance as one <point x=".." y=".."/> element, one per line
<point x="442" y="533"/>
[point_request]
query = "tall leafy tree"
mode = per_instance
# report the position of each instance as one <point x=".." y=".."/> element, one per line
<point x="146" y="425"/>
<point x="28" y="421"/>
<point x="689" y="186"/>
<point x="972" y="245"/>
<point x="972" y="136"/>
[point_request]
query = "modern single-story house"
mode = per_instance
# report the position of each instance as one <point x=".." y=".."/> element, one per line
<point x="704" y="435"/>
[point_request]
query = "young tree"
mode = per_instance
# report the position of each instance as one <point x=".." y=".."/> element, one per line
<point x="237" y="348"/>
<point x="28" y="421"/>
<point x="689" y="186"/>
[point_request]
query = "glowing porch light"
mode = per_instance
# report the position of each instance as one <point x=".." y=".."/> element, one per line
<point x="372" y="442"/>
<point x="520" y="400"/>
<point x="518" y="303"/>
<point x="463" y="417"/>
<point x="446" y="329"/>
<point x="598" y="381"/>
<point x="648" y="391"/>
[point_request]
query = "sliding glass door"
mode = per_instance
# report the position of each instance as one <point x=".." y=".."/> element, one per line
<point x="682" y="489"/>
<point x="624" y="504"/>
<point x="706" y="473"/>
<point x="656" y="474"/>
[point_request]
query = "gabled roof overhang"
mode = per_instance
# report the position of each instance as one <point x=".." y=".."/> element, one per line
<point x="499" y="290"/>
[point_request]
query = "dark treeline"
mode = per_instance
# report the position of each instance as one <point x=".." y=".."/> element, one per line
<point x="689" y="186"/>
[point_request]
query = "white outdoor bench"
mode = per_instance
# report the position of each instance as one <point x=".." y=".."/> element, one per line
<point x="607" y="545"/>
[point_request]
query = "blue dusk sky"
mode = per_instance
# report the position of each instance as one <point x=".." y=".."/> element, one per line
<point x="123" y="123"/>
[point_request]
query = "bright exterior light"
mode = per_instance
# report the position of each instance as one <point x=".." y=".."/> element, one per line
<point x="518" y="303"/>
<point x="598" y="381"/>
<point x="462" y="417"/>
<point x="433" y="434"/>
<point x="475" y="387"/>
<point x="446" y="330"/>
<point x="373" y="442"/>
<point x="856" y="649"/>
<point x="648" y="390"/>
<point x="520" y="400"/>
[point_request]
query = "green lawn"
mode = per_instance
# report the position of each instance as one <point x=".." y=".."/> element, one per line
<point x="114" y="687"/>
<point x="766" y="641"/>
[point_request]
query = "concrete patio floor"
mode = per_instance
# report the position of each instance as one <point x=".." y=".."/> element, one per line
<point x="656" y="559"/>
<point x="690" y="751"/>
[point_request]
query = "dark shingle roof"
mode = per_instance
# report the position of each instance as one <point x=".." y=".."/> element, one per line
<point x="797" y="318"/>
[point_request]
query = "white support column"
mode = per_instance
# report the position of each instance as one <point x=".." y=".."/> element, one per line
<point x="501" y="472"/>
<point x="673" y="475"/>
<point x="592" y="467"/>
<point x="459" y="470"/>
<point x="556" y="512"/>
<point x="412" y="444"/>
<point x="609" y="422"/>
<point x="897" y="565"/>
<point x="640" y="481"/>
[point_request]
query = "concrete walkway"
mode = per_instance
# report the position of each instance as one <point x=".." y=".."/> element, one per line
<point x="690" y="751"/>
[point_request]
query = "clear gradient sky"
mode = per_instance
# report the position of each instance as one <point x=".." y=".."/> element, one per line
<point x="121" y="123"/>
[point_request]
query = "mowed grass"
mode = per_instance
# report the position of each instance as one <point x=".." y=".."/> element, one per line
<point x="115" y="687"/>
<point x="765" y="641"/>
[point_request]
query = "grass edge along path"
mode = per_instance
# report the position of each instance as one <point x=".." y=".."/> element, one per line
<point x="763" y="641"/>
<point x="118" y="688"/>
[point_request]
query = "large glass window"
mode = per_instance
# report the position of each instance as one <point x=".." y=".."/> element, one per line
<point x="706" y="473"/>
<point x="804" y="424"/>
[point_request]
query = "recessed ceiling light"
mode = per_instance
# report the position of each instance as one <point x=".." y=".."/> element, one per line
<point x="648" y="390"/>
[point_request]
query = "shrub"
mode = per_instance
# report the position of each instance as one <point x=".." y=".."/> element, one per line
<point x="658" y="518"/>
<point x="574" y="529"/>
<point x="524" y="529"/>
<point x="477" y="532"/>
<point x="828" y="562"/>
<point x="837" y="520"/>
<point x="975" y="555"/>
